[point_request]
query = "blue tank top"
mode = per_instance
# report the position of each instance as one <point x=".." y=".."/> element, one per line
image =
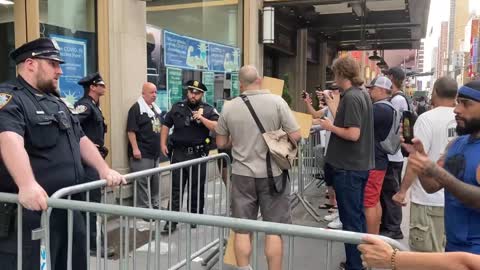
<point x="462" y="223"/>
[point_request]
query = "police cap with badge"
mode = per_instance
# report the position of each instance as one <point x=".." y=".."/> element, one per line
<point x="91" y="79"/>
<point x="196" y="86"/>
<point x="41" y="48"/>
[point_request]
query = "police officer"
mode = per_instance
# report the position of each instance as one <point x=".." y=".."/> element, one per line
<point x="192" y="120"/>
<point x="93" y="124"/>
<point x="42" y="147"/>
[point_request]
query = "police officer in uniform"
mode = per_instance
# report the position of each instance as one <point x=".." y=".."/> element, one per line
<point x="192" y="121"/>
<point x="42" y="147"/>
<point x="93" y="124"/>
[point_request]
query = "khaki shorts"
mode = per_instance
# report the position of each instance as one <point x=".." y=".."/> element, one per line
<point x="427" y="230"/>
<point x="249" y="194"/>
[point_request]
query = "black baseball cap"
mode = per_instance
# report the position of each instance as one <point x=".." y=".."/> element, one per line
<point x="397" y="73"/>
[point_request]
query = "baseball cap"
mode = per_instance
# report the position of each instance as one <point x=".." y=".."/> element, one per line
<point x="397" y="73"/>
<point x="382" y="82"/>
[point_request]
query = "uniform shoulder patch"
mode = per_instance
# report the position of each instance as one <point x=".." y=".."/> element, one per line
<point x="4" y="99"/>
<point x="80" y="109"/>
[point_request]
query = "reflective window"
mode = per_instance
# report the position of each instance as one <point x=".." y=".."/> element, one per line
<point x="73" y="25"/>
<point x="7" y="40"/>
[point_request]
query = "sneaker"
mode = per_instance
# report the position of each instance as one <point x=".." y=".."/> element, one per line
<point x="331" y="217"/>
<point x="335" y="224"/>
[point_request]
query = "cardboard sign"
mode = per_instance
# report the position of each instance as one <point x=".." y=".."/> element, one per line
<point x="305" y="122"/>
<point x="274" y="85"/>
<point x="229" y="257"/>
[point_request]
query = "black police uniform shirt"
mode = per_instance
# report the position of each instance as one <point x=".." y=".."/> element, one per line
<point x="147" y="131"/>
<point x="51" y="134"/>
<point x="91" y="120"/>
<point x="187" y="131"/>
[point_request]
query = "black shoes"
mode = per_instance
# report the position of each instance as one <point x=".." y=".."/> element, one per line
<point x="394" y="235"/>
<point x="169" y="227"/>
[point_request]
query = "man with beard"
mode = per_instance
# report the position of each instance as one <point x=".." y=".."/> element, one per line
<point x="460" y="175"/>
<point x="192" y="120"/>
<point x="42" y="147"/>
<point x="143" y="131"/>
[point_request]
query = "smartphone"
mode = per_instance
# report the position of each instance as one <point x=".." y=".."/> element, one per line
<point x="407" y="122"/>
<point x="304" y="95"/>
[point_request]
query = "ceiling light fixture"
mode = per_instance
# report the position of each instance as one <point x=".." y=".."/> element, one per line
<point x="375" y="56"/>
<point x="6" y="2"/>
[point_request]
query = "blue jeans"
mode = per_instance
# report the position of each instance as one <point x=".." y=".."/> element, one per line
<point x="349" y="188"/>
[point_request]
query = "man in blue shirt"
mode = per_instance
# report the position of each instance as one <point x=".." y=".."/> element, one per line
<point x="460" y="175"/>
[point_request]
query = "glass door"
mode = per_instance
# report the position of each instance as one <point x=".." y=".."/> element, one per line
<point x="7" y="39"/>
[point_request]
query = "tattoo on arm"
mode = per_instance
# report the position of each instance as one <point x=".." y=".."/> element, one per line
<point x="466" y="193"/>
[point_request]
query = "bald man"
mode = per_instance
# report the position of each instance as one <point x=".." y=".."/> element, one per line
<point x="252" y="188"/>
<point x="143" y="130"/>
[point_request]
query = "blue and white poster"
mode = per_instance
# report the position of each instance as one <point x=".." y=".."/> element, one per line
<point x="185" y="52"/>
<point x="223" y="58"/>
<point x="74" y="53"/>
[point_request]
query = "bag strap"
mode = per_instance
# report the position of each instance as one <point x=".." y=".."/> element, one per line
<point x="252" y="111"/>
<point x="271" y="179"/>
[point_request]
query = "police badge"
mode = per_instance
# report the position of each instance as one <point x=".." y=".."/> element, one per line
<point x="4" y="99"/>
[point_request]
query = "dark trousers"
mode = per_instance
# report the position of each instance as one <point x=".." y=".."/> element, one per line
<point x="91" y="174"/>
<point x="196" y="200"/>
<point x="58" y="243"/>
<point x="392" y="213"/>
<point x="349" y="188"/>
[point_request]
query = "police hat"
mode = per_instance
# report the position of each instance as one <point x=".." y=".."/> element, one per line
<point x="43" y="48"/>
<point x="90" y="79"/>
<point x="195" y="86"/>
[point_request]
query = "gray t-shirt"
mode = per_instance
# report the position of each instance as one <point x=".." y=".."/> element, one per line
<point x="249" y="149"/>
<point x="355" y="110"/>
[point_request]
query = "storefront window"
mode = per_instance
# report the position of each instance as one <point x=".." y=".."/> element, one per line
<point x="7" y="41"/>
<point x="203" y="40"/>
<point x="73" y="24"/>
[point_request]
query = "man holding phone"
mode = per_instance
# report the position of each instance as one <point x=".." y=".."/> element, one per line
<point x="435" y="128"/>
<point x="353" y="142"/>
<point x="460" y="175"/>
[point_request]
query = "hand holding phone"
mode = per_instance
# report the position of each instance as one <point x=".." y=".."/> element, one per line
<point x="407" y="127"/>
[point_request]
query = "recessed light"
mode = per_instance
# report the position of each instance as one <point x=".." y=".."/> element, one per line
<point x="6" y="2"/>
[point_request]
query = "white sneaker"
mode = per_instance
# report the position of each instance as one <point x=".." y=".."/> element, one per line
<point x="335" y="224"/>
<point x="331" y="217"/>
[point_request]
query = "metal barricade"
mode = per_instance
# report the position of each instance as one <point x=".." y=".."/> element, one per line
<point x="132" y="231"/>
<point x="294" y="236"/>
<point x="307" y="169"/>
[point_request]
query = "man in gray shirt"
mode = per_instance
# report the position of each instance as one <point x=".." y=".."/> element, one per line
<point x="251" y="189"/>
<point x="351" y="151"/>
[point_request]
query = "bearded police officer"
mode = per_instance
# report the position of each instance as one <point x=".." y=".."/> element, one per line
<point x="93" y="124"/>
<point x="42" y="148"/>
<point x="192" y="120"/>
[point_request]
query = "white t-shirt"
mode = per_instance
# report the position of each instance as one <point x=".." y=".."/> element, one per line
<point x="401" y="105"/>
<point x="329" y="115"/>
<point x="435" y="128"/>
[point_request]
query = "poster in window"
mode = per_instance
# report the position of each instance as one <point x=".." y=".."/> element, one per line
<point x="74" y="53"/>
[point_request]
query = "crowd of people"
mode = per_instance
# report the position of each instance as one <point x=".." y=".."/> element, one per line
<point x="58" y="145"/>
<point x="367" y="184"/>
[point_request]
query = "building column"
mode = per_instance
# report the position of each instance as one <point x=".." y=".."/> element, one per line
<point x="300" y="69"/>
<point x="252" y="46"/>
<point x="128" y="65"/>
<point x="323" y="53"/>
